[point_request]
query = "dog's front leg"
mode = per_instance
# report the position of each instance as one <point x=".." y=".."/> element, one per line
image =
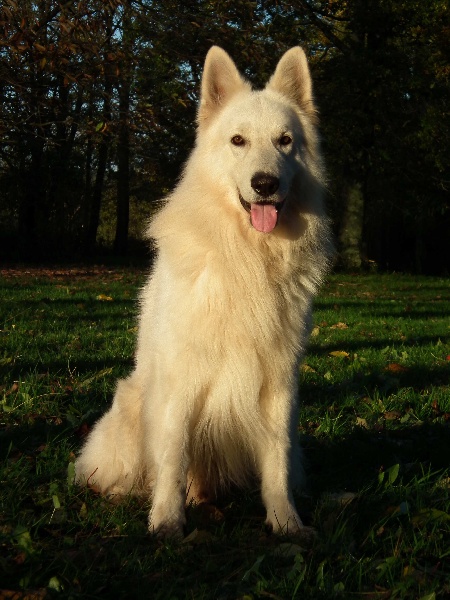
<point x="280" y="465"/>
<point x="169" y="446"/>
<point x="282" y="516"/>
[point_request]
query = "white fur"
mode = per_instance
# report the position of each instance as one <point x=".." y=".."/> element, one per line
<point x="226" y="312"/>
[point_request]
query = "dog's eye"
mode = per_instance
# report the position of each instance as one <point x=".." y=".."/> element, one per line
<point x="285" y="140"/>
<point x="237" y="140"/>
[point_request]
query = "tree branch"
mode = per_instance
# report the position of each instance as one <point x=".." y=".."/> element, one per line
<point x="318" y="21"/>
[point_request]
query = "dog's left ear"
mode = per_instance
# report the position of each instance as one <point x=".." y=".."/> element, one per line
<point x="220" y="81"/>
<point x="293" y="80"/>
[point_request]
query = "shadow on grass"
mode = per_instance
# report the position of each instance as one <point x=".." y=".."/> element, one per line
<point x="353" y="461"/>
<point x="316" y="390"/>
<point x="25" y="369"/>
<point x="339" y="463"/>
<point x="353" y="345"/>
<point x="385" y="310"/>
<point x="108" y="552"/>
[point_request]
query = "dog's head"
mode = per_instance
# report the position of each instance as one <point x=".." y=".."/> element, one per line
<point x="258" y="143"/>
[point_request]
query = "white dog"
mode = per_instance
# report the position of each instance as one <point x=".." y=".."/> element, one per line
<point x="243" y="244"/>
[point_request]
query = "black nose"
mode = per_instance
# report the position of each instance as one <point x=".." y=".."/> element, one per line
<point x="265" y="184"/>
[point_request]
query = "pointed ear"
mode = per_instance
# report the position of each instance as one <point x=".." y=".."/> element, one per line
<point x="220" y="81"/>
<point x="293" y="80"/>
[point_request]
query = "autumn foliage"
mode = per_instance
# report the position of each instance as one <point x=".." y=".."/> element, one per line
<point x="98" y="102"/>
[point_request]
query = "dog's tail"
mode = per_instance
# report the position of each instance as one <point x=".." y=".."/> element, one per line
<point x="111" y="459"/>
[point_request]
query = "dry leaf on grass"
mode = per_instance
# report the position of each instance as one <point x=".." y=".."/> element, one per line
<point x="395" y="368"/>
<point x="339" y="326"/>
<point x="339" y="354"/>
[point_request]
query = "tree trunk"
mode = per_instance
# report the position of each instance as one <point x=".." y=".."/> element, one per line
<point x="350" y="236"/>
<point x="95" y="199"/>
<point x="123" y="146"/>
<point x="32" y="192"/>
<point x="123" y="173"/>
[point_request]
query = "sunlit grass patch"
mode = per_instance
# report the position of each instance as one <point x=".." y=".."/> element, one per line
<point x="374" y="425"/>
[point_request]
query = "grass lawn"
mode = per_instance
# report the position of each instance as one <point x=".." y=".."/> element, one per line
<point x="375" y="427"/>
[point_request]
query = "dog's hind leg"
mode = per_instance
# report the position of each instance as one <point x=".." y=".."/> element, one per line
<point x="197" y="491"/>
<point x="111" y="459"/>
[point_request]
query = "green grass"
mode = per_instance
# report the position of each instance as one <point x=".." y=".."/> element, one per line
<point x="375" y="427"/>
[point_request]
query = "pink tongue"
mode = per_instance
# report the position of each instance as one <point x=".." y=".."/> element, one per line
<point x="263" y="217"/>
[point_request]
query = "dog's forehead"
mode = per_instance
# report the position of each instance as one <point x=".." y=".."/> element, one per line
<point x="262" y="111"/>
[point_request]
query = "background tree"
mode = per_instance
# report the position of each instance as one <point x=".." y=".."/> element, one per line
<point x="50" y="66"/>
<point x="382" y="94"/>
<point x="98" y="101"/>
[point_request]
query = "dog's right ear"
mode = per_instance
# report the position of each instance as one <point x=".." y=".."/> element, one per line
<point x="220" y="81"/>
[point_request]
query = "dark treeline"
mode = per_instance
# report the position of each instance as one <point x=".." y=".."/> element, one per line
<point x="98" y="99"/>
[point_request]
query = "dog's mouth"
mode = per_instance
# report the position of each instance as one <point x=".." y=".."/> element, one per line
<point x="263" y="215"/>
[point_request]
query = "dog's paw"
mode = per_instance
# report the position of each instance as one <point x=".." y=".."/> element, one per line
<point x="293" y="528"/>
<point x="164" y="527"/>
<point x="284" y="523"/>
<point x="166" y="531"/>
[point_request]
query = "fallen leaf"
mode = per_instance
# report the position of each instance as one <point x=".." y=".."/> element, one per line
<point x="104" y="298"/>
<point x="360" y="422"/>
<point x="315" y="332"/>
<point x="340" y="354"/>
<point x="339" y="326"/>
<point x="392" y="415"/>
<point x="395" y="368"/>
<point x="307" y="369"/>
